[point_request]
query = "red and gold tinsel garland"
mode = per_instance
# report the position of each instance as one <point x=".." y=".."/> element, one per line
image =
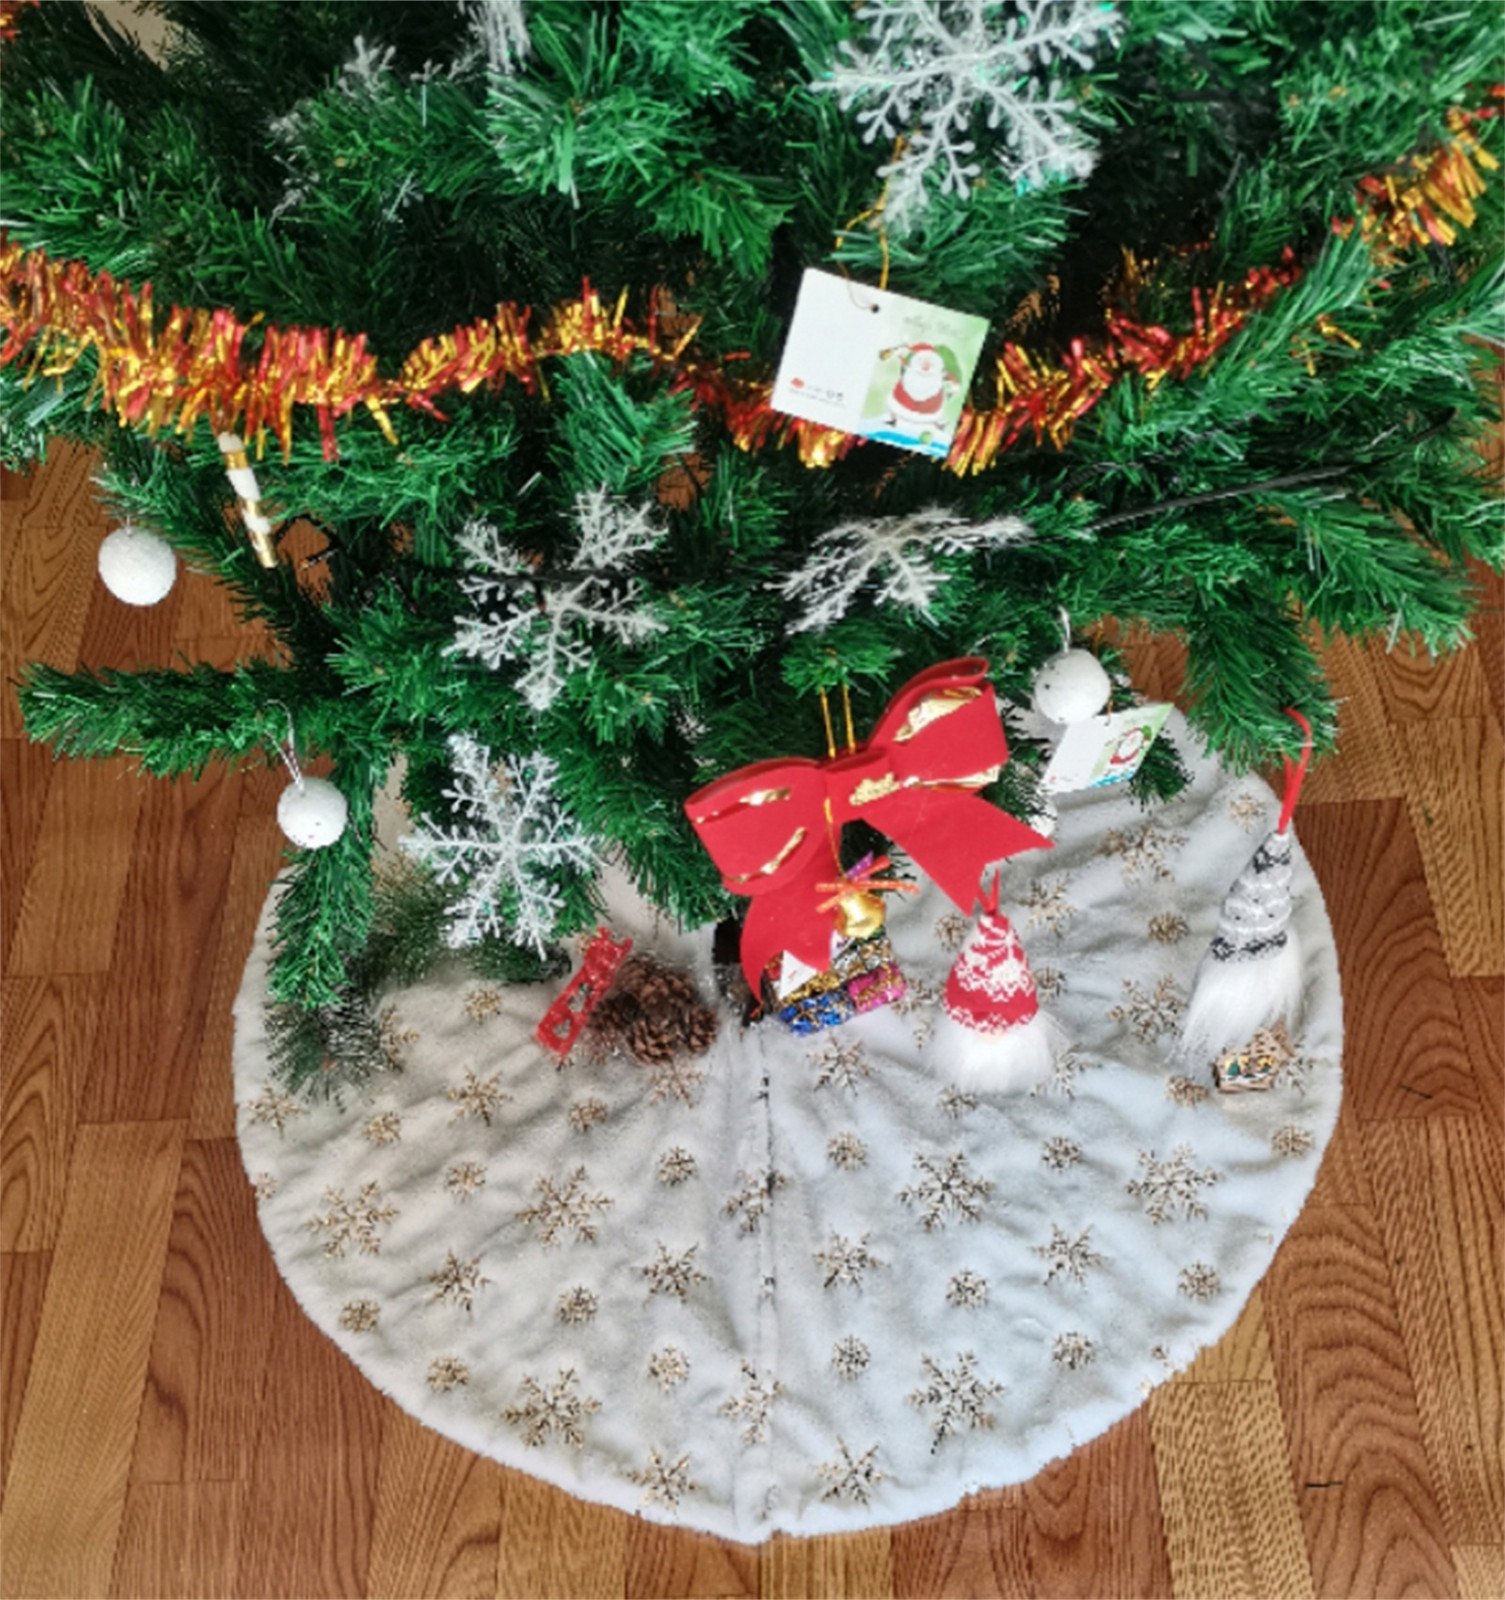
<point x="157" y="372"/>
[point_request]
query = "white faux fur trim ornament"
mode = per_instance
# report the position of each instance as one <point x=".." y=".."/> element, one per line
<point x="1011" y="1061"/>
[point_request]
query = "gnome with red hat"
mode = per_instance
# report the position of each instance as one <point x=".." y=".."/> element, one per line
<point x="993" y="1034"/>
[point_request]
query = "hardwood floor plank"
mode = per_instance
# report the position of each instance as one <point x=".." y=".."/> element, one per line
<point x="1481" y="1010"/>
<point x="1343" y="1177"/>
<point x="1365" y="765"/>
<point x="665" y="1561"/>
<point x="49" y="1029"/>
<point x="122" y="638"/>
<point x="555" y="1547"/>
<point x="202" y="1401"/>
<point x="1232" y="1528"/>
<point x="205" y="611"/>
<point x="1242" y="1355"/>
<point x="438" y="1516"/>
<point x="71" y="1457"/>
<point x="846" y="1564"/>
<point x="1368" y="1505"/>
<point x="147" y="1060"/>
<point x="1481" y="1571"/>
<point x="1453" y="790"/>
<point x="1094" y="1522"/>
<point x="25" y="777"/>
<point x="1419" y="688"/>
<point x="70" y="903"/>
<point x="307" y="1525"/>
<point x="50" y="574"/>
<point x="257" y="854"/>
<point x="1404" y="1051"/>
<point x="177" y="1541"/>
<point x="23" y="1282"/>
<point x="1440" y="1189"/>
<point x="980" y="1549"/>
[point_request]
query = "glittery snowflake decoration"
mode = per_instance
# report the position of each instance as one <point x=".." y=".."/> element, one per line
<point x="1169" y="927"/>
<point x="1200" y="1282"/>
<point x="457" y="1282"/>
<point x="968" y="1290"/>
<point x="274" y="1108"/>
<point x="359" y="1316"/>
<point x="1247" y="809"/>
<point x="679" y="1078"/>
<point x="1150" y="1012"/>
<point x="1058" y="1152"/>
<point x="1072" y="1350"/>
<point x="955" y="1103"/>
<point x="750" y="1200"/>
<point x="669" y="1367"/>
<point x="384" y="1127"/>
<point x="956" y="1398"/>
<point x="846" y="1152"/>
<point x="564" y="1206"/>
<point x="479" y="1098"/>
<point x="673" y="1273"/>
<point x="446" y="1373"/>
<point x="894" y="554"/>
<point x="553" y="629"/>
<point x="1171" y="1187"/>
<point x="846" y="1261"/>
<point x="1069" y="1257"/>
<point x="753" y="1403"/>
<point x="1046" y="906"/>
<point x="851" y="1479"/>
<point x="357" y="1221"/>
<point x="1050" y="983"/>
<point x="1142" y="850"/>
<point x="1291" y="1141"/>
<point x="840" y="1066"/>
<point x="664" y="1483"/>
<point x="943" y="74"/>
<point x="510" y="836"/>
<point x="578" y="1305"/>
<point x="541" y="1412"/>
<point x="946" y="1188"/>
<point x="1064" y="1072"/>
<point x="586" y="1114"/>
<point x="850" y="1358"/>
<point x="464" y="1179"/>
<point x="1186" y="1091"/>
<point x="483" y="1002"/>
<point x="675" y="1166"/>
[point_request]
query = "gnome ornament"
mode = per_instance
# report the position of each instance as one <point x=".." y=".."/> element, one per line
<point x="1251" y="975"/>
<point x="928" y="377"/>
<point x="992" y="1034"/>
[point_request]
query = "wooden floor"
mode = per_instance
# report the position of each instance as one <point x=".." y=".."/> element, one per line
<point x="172" y="1425"/>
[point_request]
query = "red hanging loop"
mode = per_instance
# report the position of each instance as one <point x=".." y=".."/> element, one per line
<point x="1295" y="770"/>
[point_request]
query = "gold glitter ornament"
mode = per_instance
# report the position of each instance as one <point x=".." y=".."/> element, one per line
<point x="859" y="915"/>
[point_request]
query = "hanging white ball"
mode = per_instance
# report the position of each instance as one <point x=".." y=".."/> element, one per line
<point x="136" y="566"/>
<point x="1071" y="687"/>
<point x="312" y="815"/>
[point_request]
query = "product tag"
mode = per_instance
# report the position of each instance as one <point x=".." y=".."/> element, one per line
<point x="877" y="364"/>
<point x="1104" y="750"/>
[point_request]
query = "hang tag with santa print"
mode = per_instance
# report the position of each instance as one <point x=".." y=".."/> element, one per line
<point x="877" y="364"/>
<point x="1101" y="751"/>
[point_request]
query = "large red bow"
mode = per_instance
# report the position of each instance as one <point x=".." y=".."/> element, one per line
<point x="773" y="828"/>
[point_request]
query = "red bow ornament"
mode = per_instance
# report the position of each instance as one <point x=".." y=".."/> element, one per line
<point x="773" y="828"/>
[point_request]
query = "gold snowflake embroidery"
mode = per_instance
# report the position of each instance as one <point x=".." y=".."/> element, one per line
<point x="1073" y="1350"/>
<point x="274" y="1108"/>
<point x="669" y="1367"/>
<point x="478" y="1098"/>
<point x="675" y="1166"/>
<point x="565" y="1205"/>
<point x="483" y="1002"/>
<point x="946" y="1188"/>
<point x="678" y="1078"/>
<point x="850" y="1357"/>
<point x="1046" y="906"/>
<point x="956" y="1397"/>
<point x="264" y="1186"/>
<point x="1185" y="1091"/>
<point x="664" y="1483"/>
<point x="846" y="1261"/>
<point x="1291" y="1141"/>
<point x="577" y="1305"/>
<point x="357" y="1220"/>
<point x="359" y="1316"/>
<point x="464" y="1179"/>
<point x="559" y="1408"/>
<point x="393" y="1038"/>
<point x="751" y="1200"/>
<point x="1200" y="1282"/>
<point x="383" y="1128"/>
<point x="587" y="1114"/>
<point x="1142" y="850"/>
<point x="1069" y="1257"/>
<point x="754" y="1403"/>
<point x="1247" y="809"/>
<point x="1063" y="1074"/>
<point x="955" y="1103"/>
<point x="951" y="931"/>
<point x="846" y="1152"/>
<point x="1058" y="1152"/>
<point x="852" y="1479"/>
<point x="1050" y="983"/>
<point x="457" y="1282"/>
<point x="446" y="1373"/>
<point x="1150" y="1013"/>
<point x="1168" y="928"/>
<point x="840" y="1066"/>
<point x="673" y="1273"/>
<point x="968" y="1290"/>
<point x="1171" y="1186"/>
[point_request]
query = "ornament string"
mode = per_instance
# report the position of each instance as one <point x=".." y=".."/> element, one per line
<point x="861" y="879"/>
<point x="288" y="748"/>
<point x="1295" y="770"/>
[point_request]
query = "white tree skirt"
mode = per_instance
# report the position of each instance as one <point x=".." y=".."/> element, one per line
<point x="931" y="1294"/>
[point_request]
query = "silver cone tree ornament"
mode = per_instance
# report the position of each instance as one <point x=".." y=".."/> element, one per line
<point x="1252" y="973"/>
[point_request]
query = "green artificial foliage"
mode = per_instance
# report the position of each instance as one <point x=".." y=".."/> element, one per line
<point x="380" y="168"/>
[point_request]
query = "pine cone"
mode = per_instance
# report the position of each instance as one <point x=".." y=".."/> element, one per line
<point x="652" y="1040"/>
<point x="701" y="1027"/>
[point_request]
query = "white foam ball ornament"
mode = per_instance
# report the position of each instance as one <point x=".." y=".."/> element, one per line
<point x="312" y="813"/>
<point x="136" y="566"/>
<point x="1071" y="687"/>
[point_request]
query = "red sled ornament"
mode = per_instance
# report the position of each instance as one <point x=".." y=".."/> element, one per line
<point x="992" y="1034"/>
<point x="773" y="828"/>
<point x="561" y="1024"/>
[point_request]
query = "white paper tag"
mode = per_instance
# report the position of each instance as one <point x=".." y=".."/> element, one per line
<point x="877" y="364"/>
<point x="1104" y="750"/>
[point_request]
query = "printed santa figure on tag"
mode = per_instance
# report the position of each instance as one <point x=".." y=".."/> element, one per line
<point x="928" y="377"/>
